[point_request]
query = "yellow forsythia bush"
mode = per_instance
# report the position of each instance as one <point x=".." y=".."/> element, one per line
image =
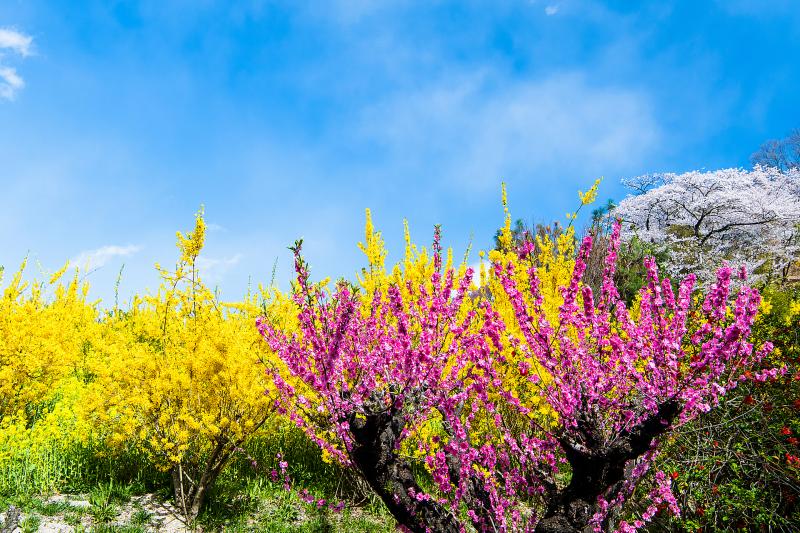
<point x="180" y="374"/>
<point x="553" y="258"/>
<point x="40" y="340"/>
<point x="178" y="377"/>
<point x="45" y="329"/>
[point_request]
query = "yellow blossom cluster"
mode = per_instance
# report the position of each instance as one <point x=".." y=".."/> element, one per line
<point x="553" y="260"/>
<point x="41" y="339"/>
<point x="45" y="335"/>
<point x="178" y="376"/>
<point x="181" y="375"/>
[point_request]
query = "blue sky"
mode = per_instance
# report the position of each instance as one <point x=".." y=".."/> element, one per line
<point x="287" y="119"/>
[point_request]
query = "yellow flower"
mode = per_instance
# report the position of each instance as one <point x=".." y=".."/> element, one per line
<point x="589" y="196"/>
<point x="191" y="245"/>
<point x="506" y="238"/>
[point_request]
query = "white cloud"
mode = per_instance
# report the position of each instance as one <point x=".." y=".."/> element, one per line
<point x="15" y="41"/>
<point x="210" y="226"/>
<point x="10" y="82"/>
<point x="19" y="43"/>
<point x="90" y="259"/>
<point x="478" y="127"/>
<point x="551" y="10"/>
<point x="213" y="269"/>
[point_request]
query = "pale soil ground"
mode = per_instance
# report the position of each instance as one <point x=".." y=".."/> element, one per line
<point x="162" y="516"/>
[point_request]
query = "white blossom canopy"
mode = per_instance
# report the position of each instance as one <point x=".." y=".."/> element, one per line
<point x="749" y="218"/>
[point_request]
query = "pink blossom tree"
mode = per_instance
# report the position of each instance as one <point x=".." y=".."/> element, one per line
<point x="369" y="375"/>
<point x="620" y="380"/>
<point x="362" y="378"/>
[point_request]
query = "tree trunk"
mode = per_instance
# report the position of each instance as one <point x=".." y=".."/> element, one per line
<point x="599" y="470"/>
<point x="190" y="494"/>
<point x="574" y="506"/>
<point x="391" y="477"/>
<point x="189" y="497"/>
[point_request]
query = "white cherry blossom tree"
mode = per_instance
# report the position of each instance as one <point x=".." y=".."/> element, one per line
<point x="749" y="218"/>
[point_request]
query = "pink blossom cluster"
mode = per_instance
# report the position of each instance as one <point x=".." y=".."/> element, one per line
<point x="430" y="355"/>
<point x="617" y="378"/>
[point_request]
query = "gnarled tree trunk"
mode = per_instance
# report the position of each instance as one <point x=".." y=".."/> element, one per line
<point x="599" y="469"/>
<point x="391" y="477"/>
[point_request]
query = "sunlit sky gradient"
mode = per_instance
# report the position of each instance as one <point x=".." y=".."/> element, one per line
<point x="118" y="119"/>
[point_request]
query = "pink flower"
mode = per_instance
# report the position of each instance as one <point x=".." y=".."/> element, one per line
<point x="430" y="351"/>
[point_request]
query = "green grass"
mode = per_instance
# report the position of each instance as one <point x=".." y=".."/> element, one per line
<point x="244" y="498"/>
<point x="74" y="517"/>
<point x="76" y="468"/>
<point x="141" y="517"/>
<point x="30" y="524"/>
<point x="255" y="504"/>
